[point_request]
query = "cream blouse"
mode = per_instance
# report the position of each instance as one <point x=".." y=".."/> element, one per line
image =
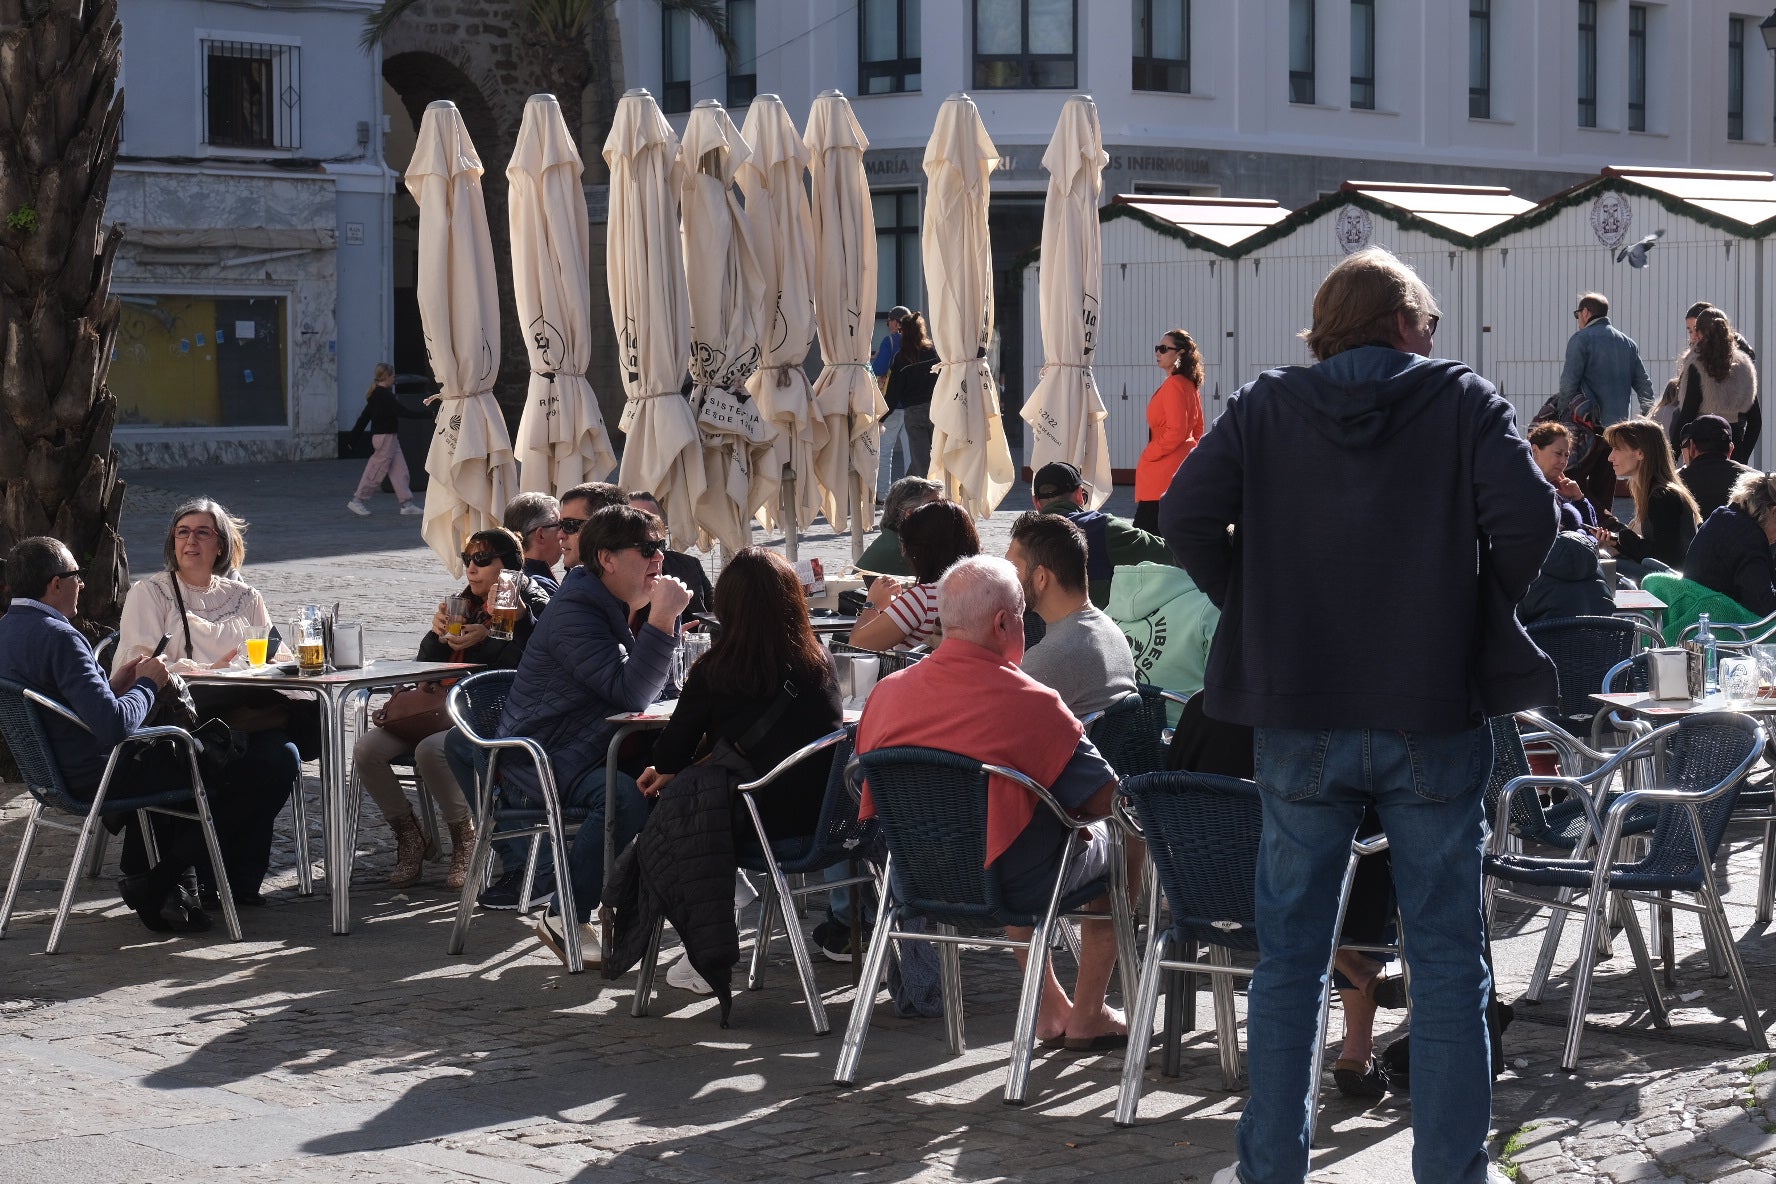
<point x="219" y="616"/>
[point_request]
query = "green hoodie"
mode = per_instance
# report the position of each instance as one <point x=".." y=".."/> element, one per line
<point x="1123" y="543"/>
<point x="1169" y="623"/>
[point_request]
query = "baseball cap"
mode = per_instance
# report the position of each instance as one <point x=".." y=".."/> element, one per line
<point x="1707" y="432"/>
<point x="899" y="312"/>
<point x="1055" y="478"/>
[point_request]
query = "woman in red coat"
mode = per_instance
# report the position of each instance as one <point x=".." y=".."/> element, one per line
<point x="1174" y="424"/>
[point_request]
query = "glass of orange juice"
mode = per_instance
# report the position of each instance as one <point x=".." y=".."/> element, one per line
<point x="257" y="635"/>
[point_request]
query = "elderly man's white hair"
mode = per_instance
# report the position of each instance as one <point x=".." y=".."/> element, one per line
<point x="973" y="590"/>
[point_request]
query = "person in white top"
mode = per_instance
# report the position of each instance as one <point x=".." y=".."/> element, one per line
<point x="205" y="615"/>
<point x="932" y="537"/>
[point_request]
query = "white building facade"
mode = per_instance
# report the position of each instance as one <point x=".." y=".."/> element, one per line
<point x="1279" y="99"/>
<point x="254" y="270"/>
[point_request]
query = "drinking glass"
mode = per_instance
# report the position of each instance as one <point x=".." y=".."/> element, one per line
<point x="503" y="605"/>
<point x="311" y="641"/>
<point x="456" y="612"/>
<point x="257" y="637"/>
<point x="1739" y="679"/>
<point x="1766" y="660"/>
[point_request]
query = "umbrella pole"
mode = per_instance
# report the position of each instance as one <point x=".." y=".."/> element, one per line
<point x="786" y="513"/>
<point x="859" y="527"/>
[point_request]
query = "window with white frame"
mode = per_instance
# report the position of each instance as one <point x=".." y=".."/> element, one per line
<point x="1025" y="44"/>
<point x="899" y="267"/>
<point x="888" y="47"/>
<point x="1301" y="51"/>
<point x="1162" y="45"/>
<point x="252" y="94"/>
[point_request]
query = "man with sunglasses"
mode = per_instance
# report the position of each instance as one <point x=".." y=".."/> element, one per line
<point x="577" y="506"/>
<point x="536" y="519"/>
<point x="685" y="568"/>
<point x="1603" y="367"/>
<point x="605" y="646"/>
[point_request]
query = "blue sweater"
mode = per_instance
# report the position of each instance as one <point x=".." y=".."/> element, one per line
<point x="582" y="664"/>
<point x="1388" y="519"/>
<point x="42" y="651"/>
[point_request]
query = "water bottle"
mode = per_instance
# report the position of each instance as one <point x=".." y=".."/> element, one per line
<point x="1710" y="655"/>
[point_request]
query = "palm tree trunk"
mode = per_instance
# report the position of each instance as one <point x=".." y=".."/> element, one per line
<point x="60" y="118"/>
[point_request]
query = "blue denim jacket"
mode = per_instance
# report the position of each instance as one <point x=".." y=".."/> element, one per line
<point x="1604" y="364"/>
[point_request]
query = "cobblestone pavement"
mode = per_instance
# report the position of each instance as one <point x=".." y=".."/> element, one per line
<point x="298" y="1055"/>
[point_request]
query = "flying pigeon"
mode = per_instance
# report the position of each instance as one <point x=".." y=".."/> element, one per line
<point x="1637" y="254"/>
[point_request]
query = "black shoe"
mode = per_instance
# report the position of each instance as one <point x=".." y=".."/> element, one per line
<point x="162" y="909"/>
<point x="1355" y="1081"/>
<point x="504" y="892"/>
<point x="211" y="899"/>
<point x="833" y="940"/>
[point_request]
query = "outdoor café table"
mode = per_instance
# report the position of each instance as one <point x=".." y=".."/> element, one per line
<point x="1668" y="709"/>
<point x="654" y="715"/>
<point x="333" y="690"/>
<point x="1633" y="600"/>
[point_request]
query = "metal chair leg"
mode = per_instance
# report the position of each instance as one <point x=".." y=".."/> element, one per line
<point x="18" y="865"/>
<point x="1180" y="987"/>
<point x="1596" y="908"/>
<point x="299" y="822"/>
<point x="767" y="929"/>
<point x="874" y="969"/>
<point x="949" y="958"/>
<point x="1226" y="1023"/>
<point x="644" y="972"/>
<point x="1140" y="1025"/>
<point x="804" y="961"/>
<point x="1643" y="967"/>
<point x="1538" y="979"/>
<point x="95" y="868"/>
<point x="565" y="905"/>
<point x="201" y="799"/>
<point x="530" y="869"/>
<point x="472" y="883"/>
<point x="1023" y="1036"/>
<point x="67" y="901"/>
<point x="1767" y="875"/>
<point x="1715" y="916"/>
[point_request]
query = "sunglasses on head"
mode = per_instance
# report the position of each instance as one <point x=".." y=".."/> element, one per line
<point x="571" y="525"/>
<point x="480" y="558"/>
<point x="648" y="549"/>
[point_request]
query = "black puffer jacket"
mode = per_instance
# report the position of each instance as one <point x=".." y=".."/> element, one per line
<point x="1571" y="582"/>
<point x="681" y="868"/>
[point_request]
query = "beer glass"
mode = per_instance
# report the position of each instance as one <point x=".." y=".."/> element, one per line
<point x="503" y="605"/>
<point x="310" y="639"/>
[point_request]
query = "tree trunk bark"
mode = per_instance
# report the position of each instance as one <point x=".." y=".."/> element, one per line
<point x="60" y="118"/>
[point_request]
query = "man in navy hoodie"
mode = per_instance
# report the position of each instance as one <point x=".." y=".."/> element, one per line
<point x="1367" y="526"/>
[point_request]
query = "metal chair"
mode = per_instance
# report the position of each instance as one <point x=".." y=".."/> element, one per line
<point x="1203" y="833"/>
<point x="1133" y="733"/>
<point x="476" y="705"/>
<point x="1709" y="755"/>
<point x="22" y="715"/>
<point x="838" y="837"/>
<point x="1584" y="649"/>
<point x="932" y="806"/>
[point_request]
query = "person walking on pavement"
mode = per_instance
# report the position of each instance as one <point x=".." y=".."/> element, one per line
<point x="1603" y="367"/>
<point x="895" y="445"/>
<point x="1368" y="691"/>
<point x="383" y="414"/>
<point x="1174" y="423"/>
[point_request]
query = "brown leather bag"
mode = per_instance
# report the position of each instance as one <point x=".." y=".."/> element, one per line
<point x="415" y="712"/>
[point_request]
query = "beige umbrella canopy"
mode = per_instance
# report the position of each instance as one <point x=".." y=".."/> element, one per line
<point x="644" y="259"/>
<point x="773" y="180"/>
<point x="1066" y="413"/>
<point x="845" y="394"/>
<point x="561" y="438"/>
<point x="470" y="463"/>
<point x="969" y="453"/>
<point x="726" y="284"/>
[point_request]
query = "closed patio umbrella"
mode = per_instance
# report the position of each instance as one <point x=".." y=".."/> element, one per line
<point x="969" y="453"/>
<point x="561" y="438"/>
<point x="1065" y="412"/>
<point x="726" y="285"/>
<point x="470" y="462"/>
<point x="644" y="258"/>
<point x="774" y="180"/>
<point x="845" y="394"/>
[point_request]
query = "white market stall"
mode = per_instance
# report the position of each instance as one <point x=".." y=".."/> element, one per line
<point x="1713" y="247"/>
<point x="1434" y="228"/>
<point x="1165" y="266"/>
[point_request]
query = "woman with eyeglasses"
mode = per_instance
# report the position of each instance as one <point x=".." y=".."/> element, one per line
<point x="205" y="610"/>
<point x="1174" y="424"/>
<point x="488" y="553"/>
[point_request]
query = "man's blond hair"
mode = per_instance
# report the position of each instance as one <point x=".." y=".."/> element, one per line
<point x="1358" y="300"/>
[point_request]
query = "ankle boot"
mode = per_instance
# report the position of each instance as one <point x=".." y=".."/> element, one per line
<point x="410" y="847"/>
<point x="462" y="852"/>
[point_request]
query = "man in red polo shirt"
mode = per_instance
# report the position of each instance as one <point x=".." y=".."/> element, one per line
<point x="969" y="697"/>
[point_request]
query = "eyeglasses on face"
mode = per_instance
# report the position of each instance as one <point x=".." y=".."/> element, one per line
<point x="1431" y="326"/>
<point x="202" y="534"/>
<point x="555" y="525"/>
<point x="72" y="573"/>
<point x="648" y="549"/>
<point x="571" y="525"/>
<point x="480" y="558"/>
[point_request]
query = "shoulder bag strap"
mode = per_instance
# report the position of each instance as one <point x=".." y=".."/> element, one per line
<point x="184" y="617"/>
<point x="769" y="719"/>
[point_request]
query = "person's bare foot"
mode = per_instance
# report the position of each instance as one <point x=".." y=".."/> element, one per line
<point x="1052" y="1021"/>
<point x="1087" y="1024"/>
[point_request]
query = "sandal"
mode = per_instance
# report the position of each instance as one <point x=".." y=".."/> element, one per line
<point x="1357" y="1080"/>
<point x="1387" y="991"/>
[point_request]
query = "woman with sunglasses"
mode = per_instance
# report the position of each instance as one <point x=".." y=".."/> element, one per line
<point x="488" y="553"/>
<point x="199" y="603"/>
<point x="1174" y="424"/>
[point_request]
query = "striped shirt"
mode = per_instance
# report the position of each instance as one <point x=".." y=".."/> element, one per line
<point x="915" y="611"/>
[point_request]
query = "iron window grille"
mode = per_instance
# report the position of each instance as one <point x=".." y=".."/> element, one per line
<point x="252" y="95"/>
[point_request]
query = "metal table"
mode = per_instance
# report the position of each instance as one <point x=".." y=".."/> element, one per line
<point x="1633" y="601"/>
<point x="332" y="691"/>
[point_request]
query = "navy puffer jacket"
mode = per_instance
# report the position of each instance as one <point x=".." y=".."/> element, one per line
<point x="582" y="665"/>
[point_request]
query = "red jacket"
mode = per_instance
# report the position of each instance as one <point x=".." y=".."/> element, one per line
<point x="1174" y="425"/>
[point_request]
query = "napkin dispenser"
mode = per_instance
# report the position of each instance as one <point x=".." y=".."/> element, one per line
<point x="347" y="645"/>
<point x="1668" y="674"/>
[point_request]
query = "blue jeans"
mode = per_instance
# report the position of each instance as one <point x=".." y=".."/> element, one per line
<point x="1426" y="789"/>
<point x="585" y="859"/>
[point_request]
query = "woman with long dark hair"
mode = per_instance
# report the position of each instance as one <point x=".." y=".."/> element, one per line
<point x="911" y="381"/>
<point x="932" y="537"/>
<point x="1665" y="513"/>
<point x="1719" y="380"/>
<point x="1174" y="424"/>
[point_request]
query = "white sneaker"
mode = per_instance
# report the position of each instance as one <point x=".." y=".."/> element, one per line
<point x="409" y="508"/>
<point x="1227" y="1175"/>
<point x="684" y="976"/>
<point x="549" y="930"/>
<point x="359" y="508"/>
